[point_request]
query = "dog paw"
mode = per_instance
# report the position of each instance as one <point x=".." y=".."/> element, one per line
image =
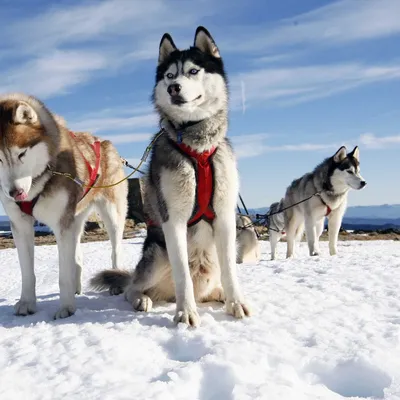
<point x="333" y="252"/>
<point x="314" y="254"/>
<point x="142" y="303"/>
<point x="23" y="307"/>
<point x="78" y="288"/>
<point x="65" y="312"/>
<point x="238" y="309"/>
<point x="188" y="316"/>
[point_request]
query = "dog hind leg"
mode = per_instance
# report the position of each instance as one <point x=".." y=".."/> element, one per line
<point x="113" y="215"/>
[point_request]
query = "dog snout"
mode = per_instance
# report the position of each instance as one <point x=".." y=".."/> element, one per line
<point x="15" y="192"/>
<point x="362" y="184"/>
<point x="18" y="194"/>
<point x="174" y="89"/>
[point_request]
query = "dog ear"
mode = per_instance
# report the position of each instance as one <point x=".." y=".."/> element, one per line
<point x="24" y="114"/>
<point x="167" y="46"/>
<point x="204" y="42"/>
<point x="355" y="153"/>
<point x="340" y="155"/>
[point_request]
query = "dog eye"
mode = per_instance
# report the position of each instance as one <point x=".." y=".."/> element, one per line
<point x="21" y="154"/>
<point x="350" y="172"/>
<point x="193" y="71"/>
<point x="169" y="75"/>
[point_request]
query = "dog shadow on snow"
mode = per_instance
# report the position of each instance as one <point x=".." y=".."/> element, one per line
<point x="101" y="308"/>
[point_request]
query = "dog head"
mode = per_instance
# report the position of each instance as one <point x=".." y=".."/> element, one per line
<point x="346" y="172"/>
<point x="28" y="135"/>
<point x="190" y="84"/>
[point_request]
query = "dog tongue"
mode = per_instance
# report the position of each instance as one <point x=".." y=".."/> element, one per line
<point x="21" y="196"/>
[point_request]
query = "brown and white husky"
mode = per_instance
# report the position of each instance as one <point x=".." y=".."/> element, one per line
<point x="37" y="153"/>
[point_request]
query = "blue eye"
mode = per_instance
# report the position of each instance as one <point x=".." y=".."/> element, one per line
<point x="193" y="71"/>
<point x="169" y="75"/>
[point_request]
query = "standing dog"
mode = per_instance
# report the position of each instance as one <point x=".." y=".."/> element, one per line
<point x="327" y="186"/>
<point x="190" y="191"/>
<point x="37" y="153"/>
<point x="248" y="249"/>
<point x="276" y="226"/>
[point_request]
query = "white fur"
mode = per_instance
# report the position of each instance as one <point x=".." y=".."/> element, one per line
<point x="17" y="173"/>
<point x="211" y="88"/>
<point x="248" y="249"/>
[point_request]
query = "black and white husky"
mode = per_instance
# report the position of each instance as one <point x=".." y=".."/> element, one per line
<point x="332" y="180"/>
<point x="190" y="191"/>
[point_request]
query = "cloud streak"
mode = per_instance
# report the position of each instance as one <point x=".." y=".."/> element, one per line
<point x="372" y="141"/>
<point x="293" y="85"/>
<point x="340" y="22"/>
<point x="115" y="124"/>
<point x="253" y="145"/>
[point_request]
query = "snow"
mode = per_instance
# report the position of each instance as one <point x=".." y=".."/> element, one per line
<point x="322" y="328"/>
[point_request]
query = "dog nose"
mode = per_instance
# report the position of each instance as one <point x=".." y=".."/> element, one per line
<point x="15" y="192"/>
<point x="174" y="89"/>
<point x="363" y="183"/>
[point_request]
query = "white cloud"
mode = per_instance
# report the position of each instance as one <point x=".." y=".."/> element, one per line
<point x="106" y="35"/>
<point x="128" y="138"/>
<point x="253" y="145"/>
<point x="53" y="73"/>
<point x="371" y="141"/>
<point x="115" y="124"/>
<point x="340" y="22"/>
<point x="293" y="85"/>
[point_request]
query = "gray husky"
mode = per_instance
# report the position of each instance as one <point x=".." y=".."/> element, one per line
<point x="190" y="191"/>
<point x="328" y="186"/>
<point x="248" y="249"/>
<point x="276" y="226"/>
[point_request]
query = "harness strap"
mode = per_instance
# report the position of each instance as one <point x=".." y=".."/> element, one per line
<point x="204" y="183"/>
<point x="203" y="209"/>
<point x="93" y="172"/>
<point x="27" y="206"/>
<point x="328" y="209"/>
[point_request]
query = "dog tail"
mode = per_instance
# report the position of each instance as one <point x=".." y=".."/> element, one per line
<point x="111" y="279"/>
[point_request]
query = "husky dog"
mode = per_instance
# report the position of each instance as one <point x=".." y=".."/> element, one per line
<point x="37" y="153"/>
<point x="248" y="249"/>
<point x="276" y="226"/>
<point x="328" y="186"/>
<point x="190" y="191"/>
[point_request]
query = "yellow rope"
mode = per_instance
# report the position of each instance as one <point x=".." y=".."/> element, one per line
<point x="143" y="159"/>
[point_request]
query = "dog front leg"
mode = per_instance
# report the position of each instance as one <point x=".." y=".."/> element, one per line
<point x="335" y="220"/>
<point x="24" y="236"/>
<point x="273" y="240"/>
<point x="311" y="236"/>
<point x="225" y="238"/>
<point x="66" y="242"/>
<point x="176" y="241"/>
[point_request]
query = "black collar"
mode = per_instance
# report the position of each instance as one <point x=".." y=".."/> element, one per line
<point x="184" y="125"/>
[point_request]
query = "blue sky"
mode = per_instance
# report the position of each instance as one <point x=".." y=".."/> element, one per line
<point x="305" y="77"/>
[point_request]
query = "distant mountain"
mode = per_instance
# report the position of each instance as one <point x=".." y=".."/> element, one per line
<point x="362" y="217"/>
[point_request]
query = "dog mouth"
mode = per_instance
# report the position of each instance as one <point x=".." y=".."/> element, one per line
<point x="19" y="195"/>
<point x="179" y="100"/>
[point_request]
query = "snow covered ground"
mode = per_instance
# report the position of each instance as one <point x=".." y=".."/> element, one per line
<point x="322" y="328"/>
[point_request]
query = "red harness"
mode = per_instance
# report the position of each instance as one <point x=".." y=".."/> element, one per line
<point x="203" y="209"/>
<point x="328" y="209"/>
<point x="27" y="206"/>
